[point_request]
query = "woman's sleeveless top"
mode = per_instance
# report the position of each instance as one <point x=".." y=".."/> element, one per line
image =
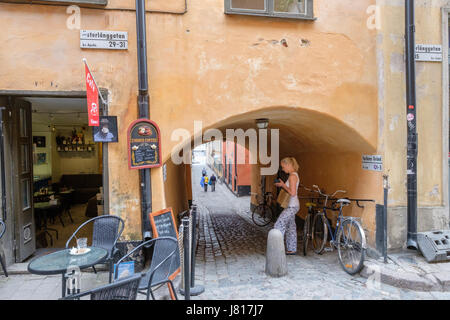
<point x="293" y="201"/>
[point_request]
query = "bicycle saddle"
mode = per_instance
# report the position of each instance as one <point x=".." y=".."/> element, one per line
<point x="344" y="202"/>
<point x="310" y="204"/>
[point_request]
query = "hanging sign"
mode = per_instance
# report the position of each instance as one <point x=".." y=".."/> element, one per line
<point x="144" y="145"/>
<point x="372" y="163"/>
<point x="429" y="52"/>
<point x="92" y="98"/>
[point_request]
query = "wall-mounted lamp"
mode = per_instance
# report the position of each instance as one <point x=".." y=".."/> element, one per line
<point x="262" y="123"/>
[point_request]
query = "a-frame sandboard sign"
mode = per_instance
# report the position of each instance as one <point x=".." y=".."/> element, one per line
<point x="164" y="225"/>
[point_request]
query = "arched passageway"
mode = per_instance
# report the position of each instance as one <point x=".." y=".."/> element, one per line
<point x="329" y="151"/>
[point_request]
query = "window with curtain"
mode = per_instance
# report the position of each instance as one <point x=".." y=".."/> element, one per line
<point x="296" y="9"/>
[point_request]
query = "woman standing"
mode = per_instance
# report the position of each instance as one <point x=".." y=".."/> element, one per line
<point x="286" y="221"/>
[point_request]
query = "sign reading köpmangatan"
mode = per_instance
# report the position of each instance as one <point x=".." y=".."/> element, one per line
<point x="98" y="39"/>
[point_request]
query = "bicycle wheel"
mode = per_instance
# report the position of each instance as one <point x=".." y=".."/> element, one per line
<point x="262" y="215"/>
<point x="306" y="233"/>
<point x="319" y="233"/>
<point x="351" y="246"/>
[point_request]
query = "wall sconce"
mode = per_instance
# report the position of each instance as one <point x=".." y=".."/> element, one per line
<point x="262" y="123"/>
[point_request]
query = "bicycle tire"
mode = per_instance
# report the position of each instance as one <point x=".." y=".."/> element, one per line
<point x="319" y="233"/>
<point x="306" y="231"/>
<point x="346" y="232"/>
<point x="262" y="215"/>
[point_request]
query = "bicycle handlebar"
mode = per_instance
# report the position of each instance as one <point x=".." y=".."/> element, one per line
<point x="328" y="195"/>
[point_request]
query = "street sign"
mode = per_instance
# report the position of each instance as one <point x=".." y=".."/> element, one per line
<point x="429" y="52"/>
<point x="372" y="163"/>
<point x="144" y="145"/>
<point x="97" y="39"/>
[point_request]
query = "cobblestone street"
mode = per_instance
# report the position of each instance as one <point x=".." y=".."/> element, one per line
<point x="231" y="259"/>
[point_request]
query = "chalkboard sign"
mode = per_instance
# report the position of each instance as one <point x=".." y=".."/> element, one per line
<point x="163" y="225"/>
<point x="144" y="145"/>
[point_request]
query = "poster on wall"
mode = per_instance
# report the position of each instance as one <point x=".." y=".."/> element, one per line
<point x="107" y="130"/>
<point x="144" y="145"/>
<point x="39" y="141"/>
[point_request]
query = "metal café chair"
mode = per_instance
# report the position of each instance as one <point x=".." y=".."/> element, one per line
<point x="2" y="232"/>
<point x="122" y="289"/>
<point x="164" y="263"/>
<point x="106" y="231"/>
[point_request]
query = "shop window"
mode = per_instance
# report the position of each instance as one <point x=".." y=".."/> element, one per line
<point x="296" y="9"/>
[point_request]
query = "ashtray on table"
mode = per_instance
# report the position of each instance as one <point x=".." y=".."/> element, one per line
<point x="77" y="252"/>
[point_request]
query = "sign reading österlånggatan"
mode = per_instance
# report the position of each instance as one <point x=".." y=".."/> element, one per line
<point x="144" y="145"/>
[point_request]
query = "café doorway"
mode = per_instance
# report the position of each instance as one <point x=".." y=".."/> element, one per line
<point x="54" y="171"/>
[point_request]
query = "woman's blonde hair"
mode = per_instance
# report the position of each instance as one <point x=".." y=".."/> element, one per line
<point x="292" y="162"/>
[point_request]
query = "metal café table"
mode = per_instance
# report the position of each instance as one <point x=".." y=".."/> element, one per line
<point x="59" y="262"/>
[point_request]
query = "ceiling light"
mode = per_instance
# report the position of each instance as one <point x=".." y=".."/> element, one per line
<point x="262" y="123"/>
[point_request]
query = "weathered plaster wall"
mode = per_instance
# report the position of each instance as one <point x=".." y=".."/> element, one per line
<point x="208" y="66"/>
<point x="433" y="211"/>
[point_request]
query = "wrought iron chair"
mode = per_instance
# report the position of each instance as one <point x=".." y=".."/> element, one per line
<point x="106" y="231"/>
<point x="164" y="266"/>
<point x="2" y="232"/>
<point x="122" y="289"/>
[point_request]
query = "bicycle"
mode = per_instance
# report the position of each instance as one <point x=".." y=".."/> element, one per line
<point x="348" y="237"/>
<point x="262" y="215"/>
<point x="307" y="228"/>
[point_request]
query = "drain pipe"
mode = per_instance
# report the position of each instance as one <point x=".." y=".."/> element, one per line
<point x="2" y="159"/>
<point x="144" y="113"/>
<point x="412" y="142"/>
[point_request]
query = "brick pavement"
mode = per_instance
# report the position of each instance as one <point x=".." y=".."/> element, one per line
<point x="231" y="260"/>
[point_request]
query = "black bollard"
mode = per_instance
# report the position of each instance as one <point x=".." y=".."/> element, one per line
<point x="195" y="290"/>
<point x="187" y="278"/>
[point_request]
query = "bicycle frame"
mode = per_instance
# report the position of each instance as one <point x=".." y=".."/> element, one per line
<point x="324" y="212"/>
<point x="340" y="220"/>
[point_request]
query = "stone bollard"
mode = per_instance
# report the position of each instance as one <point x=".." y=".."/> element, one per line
<point x="276" y="265"/>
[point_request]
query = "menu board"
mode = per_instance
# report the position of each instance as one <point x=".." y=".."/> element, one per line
<point x="144" y="145"/>
<point x="163" y="225"/>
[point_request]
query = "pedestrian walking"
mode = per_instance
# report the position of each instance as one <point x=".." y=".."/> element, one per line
<point x="286" y="221"/>
<point x="203" y="172"/>
<point x="205" y="182"/>
<point x="212" y="182"/>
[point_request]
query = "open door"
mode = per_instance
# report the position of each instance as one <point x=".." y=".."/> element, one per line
<point x="22" y="167"/>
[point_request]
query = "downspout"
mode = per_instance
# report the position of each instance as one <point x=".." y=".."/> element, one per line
<point x="145" y="182"/>
<point x="412" y="142"/>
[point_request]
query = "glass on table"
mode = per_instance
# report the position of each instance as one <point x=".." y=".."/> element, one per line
<point x="82" y="243"/>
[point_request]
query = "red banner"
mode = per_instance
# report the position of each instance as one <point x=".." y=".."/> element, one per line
<point x="92" y="99"/>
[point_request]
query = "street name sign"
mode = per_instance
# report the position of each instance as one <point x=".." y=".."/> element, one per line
<point x="98" y="39"/>
<point x="372" y="163"/>
<point x="429" y="52"/>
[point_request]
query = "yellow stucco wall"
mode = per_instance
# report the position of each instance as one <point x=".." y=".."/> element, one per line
<point x="323" y="91"/>
<point x="429" y="103"/>
<point x="203" y="65"/>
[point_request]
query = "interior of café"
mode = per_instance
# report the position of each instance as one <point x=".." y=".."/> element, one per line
<point x="67" y="170"/>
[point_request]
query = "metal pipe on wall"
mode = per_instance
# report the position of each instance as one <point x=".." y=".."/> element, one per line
<point x="412" y="141"/>
<point x="144" y="113"/>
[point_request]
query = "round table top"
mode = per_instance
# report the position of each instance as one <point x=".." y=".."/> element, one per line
<point x="43" y="205"/>
<point x="39" y="194"/>
<point x="58" y="262"/>
<point x="67" y="191"/>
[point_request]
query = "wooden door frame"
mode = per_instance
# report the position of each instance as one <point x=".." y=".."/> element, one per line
<point x="71" y="94"/>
